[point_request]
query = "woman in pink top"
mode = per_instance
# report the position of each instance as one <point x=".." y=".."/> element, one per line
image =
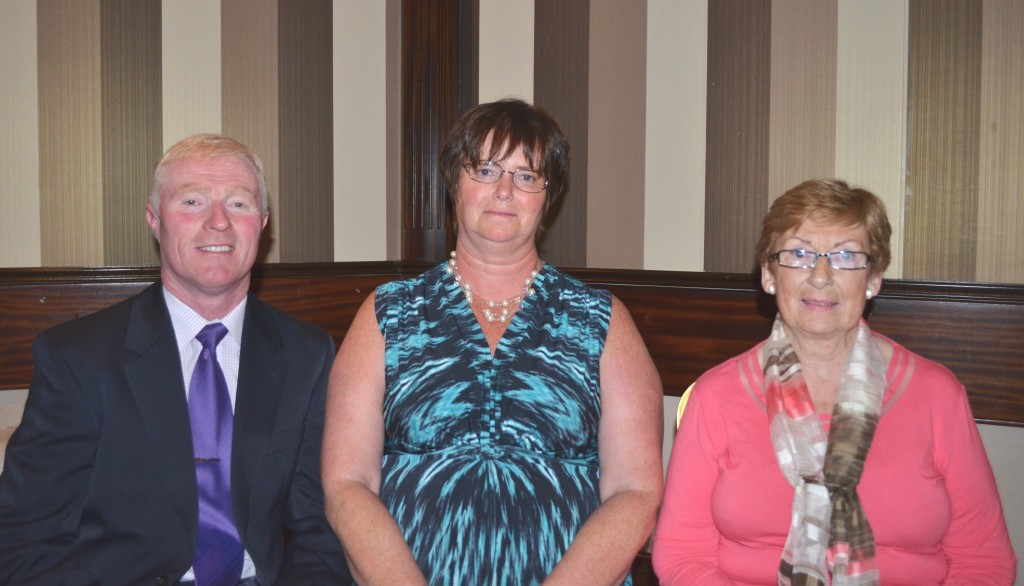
<point x="828" y="454"/>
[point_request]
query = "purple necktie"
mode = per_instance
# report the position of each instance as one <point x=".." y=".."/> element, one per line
<point x="218" y="559"/>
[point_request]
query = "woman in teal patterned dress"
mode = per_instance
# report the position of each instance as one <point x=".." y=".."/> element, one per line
<point x="494" y="420"/>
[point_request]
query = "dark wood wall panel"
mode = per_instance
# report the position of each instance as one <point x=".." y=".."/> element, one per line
<point x="306" y="202"/>
<point x="433" y="32"/>
<point x="132" y="126"/>
<point x="943" y="139"/>
<point x="561" y="85"/>
<point x="739" y="67"/>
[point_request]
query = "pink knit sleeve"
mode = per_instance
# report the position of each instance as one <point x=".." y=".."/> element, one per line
<point x="976" y="544"/>
<point x="686" y="540"/>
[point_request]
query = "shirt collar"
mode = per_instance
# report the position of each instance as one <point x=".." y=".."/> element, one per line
<point x="187" y="322"/>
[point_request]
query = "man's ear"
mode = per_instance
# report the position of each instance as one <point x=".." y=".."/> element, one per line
<point x="153" y="219"/>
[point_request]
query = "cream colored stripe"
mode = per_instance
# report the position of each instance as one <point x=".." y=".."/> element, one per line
<point x="1001" y="164"/>
<point x="675" y="158"/>
<point x="249" y="63"/>
<point x="19" y="136"/>
<point x="70" y="134"/>
<point x="360" y="130"/>
<point x="801" y="137"/>
<point x="871" y="106"/>
<point x="504" y="25"/>
<point x="190" y="37"/>
<point x="616" y="134"/>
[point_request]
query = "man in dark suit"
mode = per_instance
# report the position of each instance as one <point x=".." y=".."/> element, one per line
<point x="112" y="477"/>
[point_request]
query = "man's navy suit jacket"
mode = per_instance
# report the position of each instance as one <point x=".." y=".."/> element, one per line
<point x="99" y="484"/>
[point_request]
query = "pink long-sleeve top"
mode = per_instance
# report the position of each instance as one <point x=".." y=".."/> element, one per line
<point x="927" y="487"/>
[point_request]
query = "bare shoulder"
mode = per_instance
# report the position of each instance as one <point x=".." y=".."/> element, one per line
<point x="622" y="323"/>
<point x="365" y="321"/>
<point x="360" y="361"/>
<point x="625" y="357"/>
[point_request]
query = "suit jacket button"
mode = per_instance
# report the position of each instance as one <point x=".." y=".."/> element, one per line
<point x="161" y="581"/>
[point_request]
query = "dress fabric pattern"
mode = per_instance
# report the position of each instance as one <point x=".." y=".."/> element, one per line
<point x="490" y="464"/>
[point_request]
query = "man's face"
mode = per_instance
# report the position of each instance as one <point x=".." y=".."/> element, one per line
<point x="208" y="226"/>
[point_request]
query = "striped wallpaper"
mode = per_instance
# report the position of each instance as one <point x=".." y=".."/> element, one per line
<point x="686" y="119"/>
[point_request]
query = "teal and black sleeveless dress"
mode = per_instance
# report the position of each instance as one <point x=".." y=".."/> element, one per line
<point x="490" y="465"/>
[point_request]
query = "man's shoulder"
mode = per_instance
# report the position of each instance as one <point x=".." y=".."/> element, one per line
<point x="105" y="324"/>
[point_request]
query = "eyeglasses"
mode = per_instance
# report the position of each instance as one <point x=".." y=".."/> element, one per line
<point x="490" y="172"/>
<point x="801" y="258"/>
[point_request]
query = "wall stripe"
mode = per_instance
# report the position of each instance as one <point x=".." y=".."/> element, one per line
<point x="504" y="72"/>
<point x="561" y="84"/>
<point x="251" y="104"/>
<point x="739" y="61"/>
<point x="70" y="133"/>
<point x="677" y="79"/>
<point x="191" y="99"/>
<point x="736" y="100"/>
<point x="616" y="124"/>
<point x="871" y="105"/>
<point x="360" y="148"/>
<point x="944" y="101"/>
<point x="1001" y="164"/>
<point x="130" y="73"/>
<point x="306" y="200"/>
<point x="802" y="118"/>
<point x="19" y="136"/>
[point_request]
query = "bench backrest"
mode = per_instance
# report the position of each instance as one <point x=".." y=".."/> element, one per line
<point x="690" y="321"/>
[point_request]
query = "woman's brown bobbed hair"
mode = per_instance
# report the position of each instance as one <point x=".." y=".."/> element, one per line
<point x="510" y="124"/>
<point x="832" y="201"/>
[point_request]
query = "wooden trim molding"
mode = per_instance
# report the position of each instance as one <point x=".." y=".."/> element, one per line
<point x="437" y="38"/>
<point x="690" y="321"/>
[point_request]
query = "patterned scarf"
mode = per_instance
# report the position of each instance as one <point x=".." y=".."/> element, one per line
<point x="829" y="532"/>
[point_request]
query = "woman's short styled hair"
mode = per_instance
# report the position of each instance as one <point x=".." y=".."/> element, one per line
<point x="832" y="201"/>
<point x="509" y="124"/>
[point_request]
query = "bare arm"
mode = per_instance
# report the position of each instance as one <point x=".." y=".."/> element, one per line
<point x="353" y="447"/>
<point x="629" y="451"/>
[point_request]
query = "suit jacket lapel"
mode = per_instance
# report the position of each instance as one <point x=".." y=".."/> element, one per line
<point x="153" y="369"/>
<point x="261" y="375"/>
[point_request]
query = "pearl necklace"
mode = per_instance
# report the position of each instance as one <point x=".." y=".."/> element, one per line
<point x="500" y="311"/>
